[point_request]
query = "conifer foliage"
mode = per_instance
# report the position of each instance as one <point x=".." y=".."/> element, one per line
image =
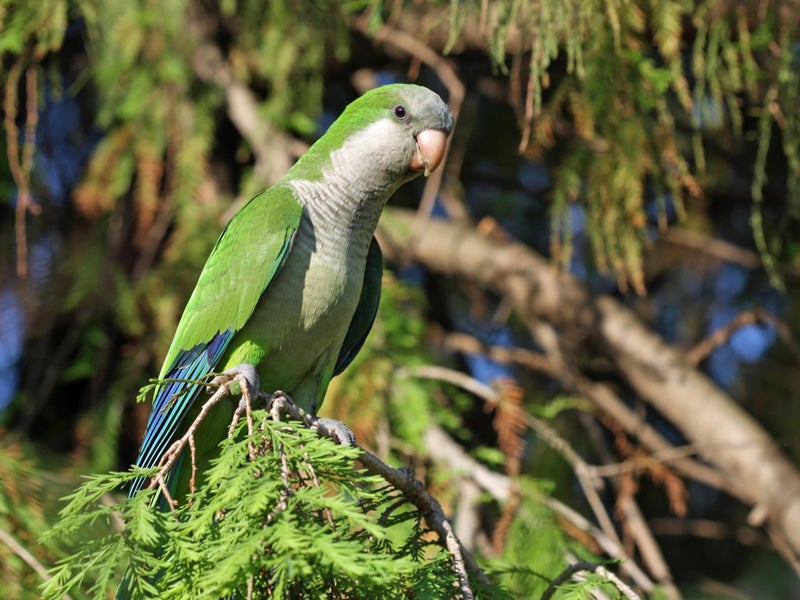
<point x="282" y="513"/>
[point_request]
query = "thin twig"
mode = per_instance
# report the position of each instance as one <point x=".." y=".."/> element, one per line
<point x="326" y="512"/>
<point x="21" y="166"/>
<point x="29" y="559"/>
<point x="248" y="411"/>
<point x="173" y="452"/>
<point x="631" y="515"/>
<point x="584" y="566"/>
<point x="635" y="463"/>
<point x="237" y="414"/>
<point x="279" y="401"/>
<point x="501" y="488"/>
<point x="608" y="545"/>
<point x="193" y="478"/>
<point x="468" y="344"/>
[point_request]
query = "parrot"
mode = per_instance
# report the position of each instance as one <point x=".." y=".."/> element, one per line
<point x="291" y="288"/>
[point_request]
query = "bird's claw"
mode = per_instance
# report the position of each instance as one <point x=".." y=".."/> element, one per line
<point x="245" y="375"/>
<point x="279" y="403"/>
<point x="336" y="430"/>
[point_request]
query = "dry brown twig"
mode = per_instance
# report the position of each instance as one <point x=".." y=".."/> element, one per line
<point x="17" y="548"/>
<point x="187" y="439"/>
<point x="21" y="163"/>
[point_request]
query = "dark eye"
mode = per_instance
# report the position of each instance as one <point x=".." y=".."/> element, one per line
<point x="400" y="111"/>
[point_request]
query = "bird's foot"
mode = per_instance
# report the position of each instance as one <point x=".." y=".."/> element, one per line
<point x="242" y="379"/>
<point x="280" y="403"/>
<point x="243" y="376"/>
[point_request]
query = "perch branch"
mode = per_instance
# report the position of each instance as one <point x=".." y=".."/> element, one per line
<point x="187" y="439"/>
<point x="412" y="489"/>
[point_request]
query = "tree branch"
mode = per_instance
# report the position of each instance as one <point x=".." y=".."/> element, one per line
<point x="274" y="150"/>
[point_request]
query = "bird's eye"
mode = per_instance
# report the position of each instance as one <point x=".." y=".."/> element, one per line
<point x="400" y="111"/>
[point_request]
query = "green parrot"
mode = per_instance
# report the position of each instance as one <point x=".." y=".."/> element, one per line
<point x="291" y="288"/>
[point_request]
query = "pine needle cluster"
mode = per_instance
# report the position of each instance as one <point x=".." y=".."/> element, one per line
<point x="281" y="513"/>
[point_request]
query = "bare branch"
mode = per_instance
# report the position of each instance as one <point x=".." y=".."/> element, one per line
<point x="501" y="487"/>
<point x="274" y="150"/>
<point x="754" y="467"/>
<point x="187" y="439"/>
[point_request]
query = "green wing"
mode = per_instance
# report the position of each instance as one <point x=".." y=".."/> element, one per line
<point x="248" y="254"/>
<point x="366" y="310"/>
<point x="251" y="249"/>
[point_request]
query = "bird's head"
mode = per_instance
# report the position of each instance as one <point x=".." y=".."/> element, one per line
<point x="397" y="130"/>
<point x="414" y="113"/>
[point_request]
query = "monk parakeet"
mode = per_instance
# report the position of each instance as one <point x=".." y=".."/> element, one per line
<point x="292" y="285"/>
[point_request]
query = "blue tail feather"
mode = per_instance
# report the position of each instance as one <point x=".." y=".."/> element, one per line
<point x="174" y="400"/>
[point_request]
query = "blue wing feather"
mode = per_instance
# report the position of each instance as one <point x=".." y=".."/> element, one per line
<point x="174" y="398"/>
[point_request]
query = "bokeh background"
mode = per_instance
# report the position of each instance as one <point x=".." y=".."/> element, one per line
<point x="649" y="150"/>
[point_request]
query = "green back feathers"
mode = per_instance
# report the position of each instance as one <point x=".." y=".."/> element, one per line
<point x="244" y="260"/>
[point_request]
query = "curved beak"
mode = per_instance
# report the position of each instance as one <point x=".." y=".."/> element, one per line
<point x="431" y="144"/>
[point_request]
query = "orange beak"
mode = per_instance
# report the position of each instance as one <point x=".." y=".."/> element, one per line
<point x="431" y="145"/>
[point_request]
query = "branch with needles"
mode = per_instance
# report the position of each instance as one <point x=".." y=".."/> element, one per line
<point x="280" y="406"/>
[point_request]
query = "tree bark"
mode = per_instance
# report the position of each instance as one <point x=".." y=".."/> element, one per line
<point x="723" y="433"/>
